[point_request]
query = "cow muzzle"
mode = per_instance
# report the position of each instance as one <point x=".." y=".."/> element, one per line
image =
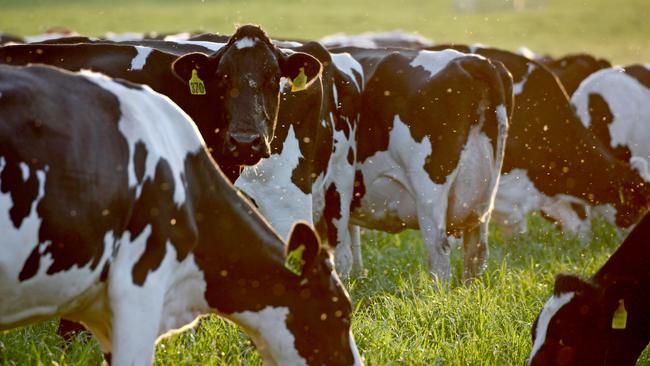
<point x="246" y="148"/>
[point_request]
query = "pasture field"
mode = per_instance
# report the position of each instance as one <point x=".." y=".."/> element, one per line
<point x="400" y="318"/>
<point x="618" y="30"/>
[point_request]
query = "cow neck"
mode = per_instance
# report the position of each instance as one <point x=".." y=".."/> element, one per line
<point x="631" y="259"/>
<point x="627" y="275"/>
<point x="241" y="257"/>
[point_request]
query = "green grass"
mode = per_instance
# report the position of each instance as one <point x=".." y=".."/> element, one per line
<point x="400" y="318"/>
<point x="617" y="30"/>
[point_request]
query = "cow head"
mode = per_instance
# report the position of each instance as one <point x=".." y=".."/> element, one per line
<point x="584" y="324"/>
<point x="311" y="322"/>
<point x="244" y="77"/>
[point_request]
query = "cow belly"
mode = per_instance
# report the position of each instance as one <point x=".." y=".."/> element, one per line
<point x="387" y="206"/>
<point x="471" y="194"/>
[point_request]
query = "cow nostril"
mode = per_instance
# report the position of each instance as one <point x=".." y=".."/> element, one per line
<point x="245" y="139"/>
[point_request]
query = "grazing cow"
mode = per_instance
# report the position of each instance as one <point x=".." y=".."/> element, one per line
<point x="234" y="94"/>
<point x="430" y="146"/>
<point x="573" y="69"/>
<point x="551" y="157"/>
<point x="116" y="216"/>
<point x="604" y="320"/>
<point x="614" y="104"/>
<point x="551" y="162"/>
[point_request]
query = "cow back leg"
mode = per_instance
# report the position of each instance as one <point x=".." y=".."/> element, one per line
<point x="475" y="243"/>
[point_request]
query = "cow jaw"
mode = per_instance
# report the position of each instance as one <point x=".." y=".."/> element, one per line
<point x="269" y="331"/>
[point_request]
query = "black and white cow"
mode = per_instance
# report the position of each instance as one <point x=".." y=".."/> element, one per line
<point x="614" y="104"/>
<point x="310" y="173"/>
<point x="552" y="162"/>
<point x="604" y="320"/>
<point x="114" y="215"/>
<point x="237" y="107"/>
<point x="430" y="147"/>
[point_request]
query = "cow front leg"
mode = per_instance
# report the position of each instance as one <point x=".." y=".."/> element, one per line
<point x="476" y="250"/>
<point x="354" y="234"/>
<point x="136" y="322"/>
<point x="435" y="241"/>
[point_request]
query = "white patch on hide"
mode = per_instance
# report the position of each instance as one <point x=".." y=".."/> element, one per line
<point x="434" y="61"/>
<point x="167" y="132"/>
<point x="269" y="184"/>
<point x="140" y="59"/>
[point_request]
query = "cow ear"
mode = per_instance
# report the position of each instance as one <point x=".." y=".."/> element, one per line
<point x="204" y="65"/>
<point x="302" y="69"/>
<point x="302" y="250"/>
<point x="569" y="283"/>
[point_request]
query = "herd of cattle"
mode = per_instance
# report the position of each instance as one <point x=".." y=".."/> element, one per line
<point x="153" y="179"/>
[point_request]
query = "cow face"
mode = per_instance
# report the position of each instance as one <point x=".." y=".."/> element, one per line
<point x="244" y="76"/>
<point x="322" y="317"/>
<point x="306" y="320"/>
<point x="577" y="327"/>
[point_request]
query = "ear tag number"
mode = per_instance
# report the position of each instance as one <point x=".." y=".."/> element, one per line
<point x="619" y="320"/>
<point x="293" y="262"/>
<point x="196" y="85"/>
<point x="299" y="82"/>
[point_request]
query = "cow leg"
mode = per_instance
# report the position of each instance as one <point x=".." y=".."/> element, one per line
<point x="68" y="329"/>
<point x="476" y="250"/>
<point x="136" y="321"/>
<point x="435" y="241"/>
<point x="136" y="310"/>
<point x="354" y="233"/>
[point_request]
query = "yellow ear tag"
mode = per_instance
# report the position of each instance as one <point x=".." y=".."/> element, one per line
<point x="300" y="81"/>
<point x="196" y="85"/>
<point x="621" y="196"/>
<point x="619" y="321"/>
<point x="293" y="262"/>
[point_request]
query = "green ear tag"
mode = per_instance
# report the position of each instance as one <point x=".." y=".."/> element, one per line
<point x="196" y="85"/>
<point x="619" y="320"/>
<point x="300" y="81"/>
<point x="294" y="260"/>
